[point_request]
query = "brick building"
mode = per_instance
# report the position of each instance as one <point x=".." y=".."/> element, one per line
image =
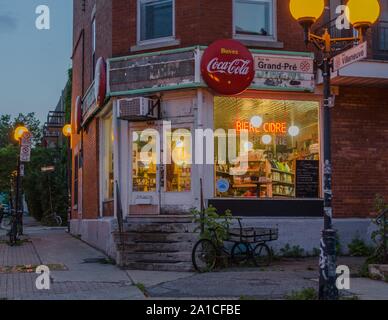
<point x="147" y="54"/>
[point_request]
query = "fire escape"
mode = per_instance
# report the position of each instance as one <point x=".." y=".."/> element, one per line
<point x="52" y="129"/>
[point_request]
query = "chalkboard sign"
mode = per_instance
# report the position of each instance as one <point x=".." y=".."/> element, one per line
<point x="307" y="179"/>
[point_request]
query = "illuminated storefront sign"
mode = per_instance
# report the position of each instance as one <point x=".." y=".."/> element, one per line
<point x="267" y="127"/>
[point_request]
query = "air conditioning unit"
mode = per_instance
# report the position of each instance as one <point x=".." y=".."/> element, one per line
<point x="137" y="109"/>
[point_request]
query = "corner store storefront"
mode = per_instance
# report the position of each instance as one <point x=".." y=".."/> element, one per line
<point x="197" y="90"/>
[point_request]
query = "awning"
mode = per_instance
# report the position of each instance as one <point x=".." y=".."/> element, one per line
<point x="367" y="73"/>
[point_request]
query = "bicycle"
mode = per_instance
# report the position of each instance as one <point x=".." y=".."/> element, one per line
<point x="53" y="218"/>
<point x="249" y="244"/>
<point x="15" y="230"/>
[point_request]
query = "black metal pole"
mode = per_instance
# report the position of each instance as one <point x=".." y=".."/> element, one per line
<point x="327" y="261"/>
<point x="68" y="173"/>
<point x="16" y="219"/>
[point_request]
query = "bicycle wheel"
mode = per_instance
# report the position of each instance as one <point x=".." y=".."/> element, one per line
<point x="262" y="255"/>
<point x="13" y="234"/>
<point x="240" y="253"/>
<point x="58" y="220"/>
<point x="204" y="256"/>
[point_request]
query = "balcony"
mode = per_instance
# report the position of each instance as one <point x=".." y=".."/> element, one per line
<point x="380" y="41"/>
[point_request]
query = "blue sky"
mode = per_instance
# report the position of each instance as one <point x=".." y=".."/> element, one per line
<point x="33" y="63"/>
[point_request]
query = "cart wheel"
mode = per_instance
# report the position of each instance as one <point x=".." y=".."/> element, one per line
<point x="240" y="253"/>
<point x="262" y="255"/>
<point x="204" y="256"/>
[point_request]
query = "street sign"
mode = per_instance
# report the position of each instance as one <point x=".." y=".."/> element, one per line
<point x="22" y="170"/>
<point x="348" y="57"/>
<point x="47" y="169"/>
<point x="26" y="139"/>
<point x="25" y="153"/>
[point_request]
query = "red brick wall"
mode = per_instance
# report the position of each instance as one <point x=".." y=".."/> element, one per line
<point x="199" y="22"/>
<point x="82" y="79"/>
<point x="360" y="153"/>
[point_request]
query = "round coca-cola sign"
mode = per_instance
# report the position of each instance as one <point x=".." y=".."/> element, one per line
<point x="100" y="82"/>
<point x="228" y="67"/>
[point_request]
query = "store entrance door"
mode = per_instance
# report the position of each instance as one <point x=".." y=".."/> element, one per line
<point x="144" y="170"/>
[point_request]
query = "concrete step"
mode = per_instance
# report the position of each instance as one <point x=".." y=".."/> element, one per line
<point x="176" y="267"/>
<point x="154" y="257"/>
<point x="158" y="247"/>
<point x="161" y="227"/>
<point x="160" y="219"/>
<point x="134" y="237"/>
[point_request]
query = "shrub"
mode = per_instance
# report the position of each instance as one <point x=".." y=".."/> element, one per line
<point x="305" y="294"/>
<point x="292" y="252"/>
<point x="358" y="248"/>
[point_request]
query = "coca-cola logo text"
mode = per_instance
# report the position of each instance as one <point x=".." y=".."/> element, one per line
<point x="238" y="66"/>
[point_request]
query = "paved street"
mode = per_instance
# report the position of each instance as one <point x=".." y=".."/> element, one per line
<point x="81" y="272"/>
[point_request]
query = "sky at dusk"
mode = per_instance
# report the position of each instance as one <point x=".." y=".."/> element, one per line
<point x="33" y="63"/>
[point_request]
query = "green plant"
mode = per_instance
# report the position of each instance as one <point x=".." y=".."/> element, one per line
<point x="211" y="220"/>
<point x="292" y="252"/>
<point x="338" y="246"/>
<point x="358" y="248"/>
<point x="142" y="288"/>
<point x="305" y="294"/>
<point x="378" y="235"/>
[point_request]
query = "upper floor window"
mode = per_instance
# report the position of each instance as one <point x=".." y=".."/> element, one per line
<point x="155" y="19"/>
<point x="254" y="19"/>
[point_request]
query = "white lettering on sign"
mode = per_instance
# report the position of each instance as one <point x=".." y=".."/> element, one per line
<point x="353" y="55"/>
<point x="237" y="67"/>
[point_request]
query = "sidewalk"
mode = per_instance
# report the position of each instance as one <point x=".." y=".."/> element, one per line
<point x="81" y="273"/>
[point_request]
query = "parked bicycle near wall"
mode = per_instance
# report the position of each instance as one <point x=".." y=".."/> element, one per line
<point x="249" y="244"/>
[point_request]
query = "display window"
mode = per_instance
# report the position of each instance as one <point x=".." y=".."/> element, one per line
<point x="283" y="149"/>
<point x="108" y="172"/>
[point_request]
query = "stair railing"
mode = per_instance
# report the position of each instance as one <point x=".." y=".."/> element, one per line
<point x="120" y="218"/>
<point x="382" y="220"/>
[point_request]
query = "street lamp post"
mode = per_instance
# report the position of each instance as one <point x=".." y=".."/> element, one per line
<point x="361" y="14"/>
<point x="66" y="131"/>
<point x="20" y="131"/>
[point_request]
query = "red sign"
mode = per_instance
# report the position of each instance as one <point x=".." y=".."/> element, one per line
<point x="100" y="82"/>
<point x="228" y="67"/>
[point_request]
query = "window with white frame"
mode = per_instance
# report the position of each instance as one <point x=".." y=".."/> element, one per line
<point x="254" y="18"/>
<point x="155" y="19"/>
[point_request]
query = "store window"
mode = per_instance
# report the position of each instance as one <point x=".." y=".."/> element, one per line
<point x="108" y="158"/>
<point x="144" y="162"/>
<point x="282" y="150"/>
<point x="254" y="18"/>
<point x="178" y="172"/>
<point x="156" y="19"/>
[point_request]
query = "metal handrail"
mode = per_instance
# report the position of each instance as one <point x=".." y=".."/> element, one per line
<point x="382" y="219"/>
<point x="120" y="218"/>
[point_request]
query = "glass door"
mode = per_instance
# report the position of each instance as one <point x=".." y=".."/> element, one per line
<point x="144" y="174"/>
